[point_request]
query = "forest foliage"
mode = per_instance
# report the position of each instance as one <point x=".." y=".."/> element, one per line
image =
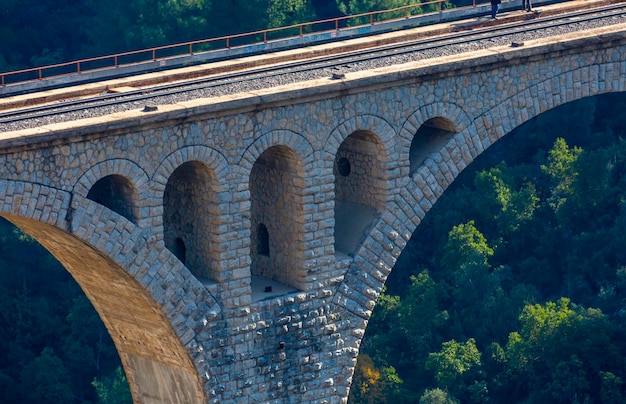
<point x="513" y="288"/>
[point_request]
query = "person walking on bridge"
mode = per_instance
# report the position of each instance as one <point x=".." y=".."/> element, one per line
<point x="527" y="5"/>
<point x="495" y="4"/>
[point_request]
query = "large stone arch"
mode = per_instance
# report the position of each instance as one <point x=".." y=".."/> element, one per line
<point x="127" y="281"/>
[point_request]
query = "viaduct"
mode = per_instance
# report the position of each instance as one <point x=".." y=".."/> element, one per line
<point x="235" y="247"/>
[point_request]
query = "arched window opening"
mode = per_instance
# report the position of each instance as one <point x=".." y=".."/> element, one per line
<point x="116" y="193"/>
<point x="430" y="137"/>
<point x="276" y="182"/>
<point x="190" y="212"/>
<point x="263" y="241"/>
<point x="360" y="189"/>
<point x="343" y="166"/>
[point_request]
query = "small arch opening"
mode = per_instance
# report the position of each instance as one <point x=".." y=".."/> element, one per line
<point x="430" y="137"/>
<point x="360" y="189"/>
<point x="116" y="193"/>
<point x="276" y="182"/>
<point x="189" y="218"/>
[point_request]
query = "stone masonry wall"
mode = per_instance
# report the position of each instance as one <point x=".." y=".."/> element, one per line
<point x="219" y="340"/>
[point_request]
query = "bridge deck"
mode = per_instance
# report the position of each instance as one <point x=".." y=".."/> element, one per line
<point x="509" y="12"/>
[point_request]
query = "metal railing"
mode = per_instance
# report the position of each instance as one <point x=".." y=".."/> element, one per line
<point x="162" y="53"/>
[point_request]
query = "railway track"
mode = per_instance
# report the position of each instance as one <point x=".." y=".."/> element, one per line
<point x="468" y="37"/>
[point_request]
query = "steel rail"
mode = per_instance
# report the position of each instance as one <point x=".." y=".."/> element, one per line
<point x="505" y="29"/>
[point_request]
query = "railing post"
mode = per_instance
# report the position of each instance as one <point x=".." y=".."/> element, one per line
<point x="191" y="49"/>
<point x="153" y="54"/>
<point x="77" y="67"/>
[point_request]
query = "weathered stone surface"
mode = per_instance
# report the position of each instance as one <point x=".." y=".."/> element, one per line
<point x="204" y="232"/>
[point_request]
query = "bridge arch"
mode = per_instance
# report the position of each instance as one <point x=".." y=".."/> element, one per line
<point x="280" y="137"/>
<point x="126" y="282"/>
<point x="366" y="276"/>
<point x="478" y="136"/>
<point x="361" y="152"/>
<point x="249" y="347"/>
<point x="427" y="130"/>
<point x="116" y="184"/>
<point x="277" y="184"/>
<point x="189" y="186"/>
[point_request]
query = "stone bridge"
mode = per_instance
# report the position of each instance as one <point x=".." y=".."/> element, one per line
<point x="235" y="247"/>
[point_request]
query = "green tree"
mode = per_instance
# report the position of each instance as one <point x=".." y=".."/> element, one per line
<point x="281" y="13"/>
<point x="611" y="388"/>
<point x="570" y="383"/>
<point x="113" y="389"/>
<point x="456" y="366"/>
<point x="420" y="314"/>
<point x="502" y="203"/>
<point x="557" y="343"/>
<point x="561" y="169"/>
<point x="46" y="380"/>
<point x="88" y="349"/>
<point x="466" y="244"/>
<point x="437" y="396"/>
